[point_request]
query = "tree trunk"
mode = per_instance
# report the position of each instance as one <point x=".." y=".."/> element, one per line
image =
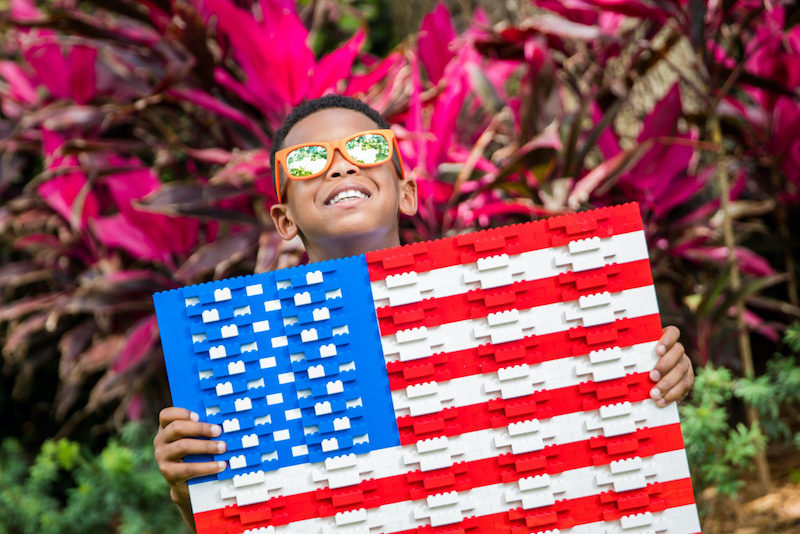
<point x="745" y="350"/>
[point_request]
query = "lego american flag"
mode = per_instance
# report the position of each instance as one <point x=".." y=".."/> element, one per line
<point x="490" y="382"/>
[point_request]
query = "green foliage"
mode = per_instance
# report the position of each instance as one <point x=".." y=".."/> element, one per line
<point x="67" y="488"/>
<point x="776" y="394"/>
<point x="719" y="452"/>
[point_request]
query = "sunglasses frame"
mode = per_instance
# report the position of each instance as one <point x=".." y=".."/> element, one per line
<point x="331" y="147"/>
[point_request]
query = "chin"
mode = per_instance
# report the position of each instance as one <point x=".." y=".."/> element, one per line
<point x="360" y="227"/>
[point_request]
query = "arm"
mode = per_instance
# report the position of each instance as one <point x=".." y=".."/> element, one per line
<point x="673" y="372"/>
<point x="177" y="437"/>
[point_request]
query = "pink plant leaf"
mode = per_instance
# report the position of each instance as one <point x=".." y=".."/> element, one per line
<point x="663" y="119"/>
<point x="132" y="184"/>
<point x="82" y="73"/>
<point x="147" y="236"/>
<point x="48" y="63"/>
<point x="446" y="110"/>
<point x="678" y="192"/>
<point x="757" y="324"/>
<point x="556" y="25"/>
<point x="20" y="84"/>
<point x="661" y="171"/>
<point x="24" y="11"/>
<point x="140" y="341"/>
<point x="483" y="214"/>
<point x="243" y="91"/>
<point x="135" y="407"/>
<point x="335" y="66"/>
<point x="68" y="193"/>
<point x="69" y="196"/>
<point x="363" y="83"/>
<point x="749" y="262"/>
<point x="273" y="53"/>
<point x="436" y="38"/>
<point x="607" y="141"/>
<point x="139" y="279"/>
<point x="219" y="156"/>
<point x="785" y="141"/>
<point x="117" y="232"/>
<point x="607" y="170"/>
<point x="204" y="100"/>
<point x="635" y="9"/>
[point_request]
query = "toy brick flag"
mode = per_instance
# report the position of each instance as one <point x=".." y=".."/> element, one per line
<point x="489" y="382"/>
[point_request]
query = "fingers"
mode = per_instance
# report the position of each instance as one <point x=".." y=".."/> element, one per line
<point x="669" y="337"/>
<point x="177" y="450"/>
<point x="182" y="428"/>
<point x="168" y="415"/>
<point x="177" y="438"/>
<point x="669" y="358"/>
<point x="678" y="380"/>
<point x="177" y="473"/>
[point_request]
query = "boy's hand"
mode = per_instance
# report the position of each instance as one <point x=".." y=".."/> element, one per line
<point x="673" y="372"/>
<point x="177" y="437"/>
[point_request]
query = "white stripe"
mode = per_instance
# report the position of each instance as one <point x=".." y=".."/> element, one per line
<point x="677" y="520"/>
<point x="532" y="265"/>
<point x="468" y="447"/>
<point x="516" y="381"/>
<point x="513" y="325"/>
<point x="487" y="500"/>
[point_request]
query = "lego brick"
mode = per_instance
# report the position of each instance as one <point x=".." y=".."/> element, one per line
<point x="530" y="350"/>
<point x="657" y="478"/>
<point x="518" y="295"/>
<point x="488" y="382"/>
<point x="519" y="449"/>
<point x="295" y="396"/>
<point x="515" y="239"/>
<point x="414" y="285"/>
<point x="513" y="325"/>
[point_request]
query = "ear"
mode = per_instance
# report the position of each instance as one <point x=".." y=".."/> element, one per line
<point x="284" y="221"/>
<point x="408" y="196"/>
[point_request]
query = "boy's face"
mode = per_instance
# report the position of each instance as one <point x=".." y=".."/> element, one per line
<point x="333" y="224"/>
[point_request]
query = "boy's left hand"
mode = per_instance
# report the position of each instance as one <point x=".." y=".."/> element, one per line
<point x="673" y="372"/>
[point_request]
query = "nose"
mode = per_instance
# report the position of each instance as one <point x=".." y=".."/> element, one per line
<point x="340" y="166"/>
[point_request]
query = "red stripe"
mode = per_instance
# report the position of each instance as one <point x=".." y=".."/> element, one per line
<point x="531" y="350"/>
<point x="519" y="295"/>
<point x="514" y="239"/>
<point x="569" y="513"/>
<point x="464" y="476"/>
<point x="539" y="405"/>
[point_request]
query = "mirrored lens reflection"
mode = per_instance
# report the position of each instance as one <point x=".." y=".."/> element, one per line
<point x="368" y="148"/>
<point x="306" y="160"/>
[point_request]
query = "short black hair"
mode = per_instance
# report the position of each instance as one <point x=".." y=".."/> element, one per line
<point x="308" y="107"/>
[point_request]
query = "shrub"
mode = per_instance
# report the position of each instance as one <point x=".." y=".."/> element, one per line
<point x="136" y="138"/>
<point x="67" y="488"/>
<point x="720" y="451"/>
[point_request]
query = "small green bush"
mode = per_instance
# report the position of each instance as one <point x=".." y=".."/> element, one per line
<point x="68" y="489"/>
<point x="720" y="453"/>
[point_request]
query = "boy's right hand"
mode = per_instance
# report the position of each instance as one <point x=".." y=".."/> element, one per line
<point x="178" y="430"/>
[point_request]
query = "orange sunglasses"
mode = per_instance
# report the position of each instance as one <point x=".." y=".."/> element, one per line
<point x="309" y="160"/>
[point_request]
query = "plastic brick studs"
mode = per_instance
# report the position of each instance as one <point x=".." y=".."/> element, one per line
<point x="489" y="382"/>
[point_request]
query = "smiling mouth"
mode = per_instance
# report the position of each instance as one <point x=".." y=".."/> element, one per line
<point x="347" y="195"/>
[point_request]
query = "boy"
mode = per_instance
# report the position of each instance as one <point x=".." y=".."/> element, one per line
<point x="342" y="206"/>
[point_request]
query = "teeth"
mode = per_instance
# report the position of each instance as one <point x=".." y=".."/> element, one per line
<point x="347" y="195"/>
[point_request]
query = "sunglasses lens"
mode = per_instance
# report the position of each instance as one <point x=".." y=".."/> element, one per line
<point x="306" y="160"/>
<point x="368" y="148"/>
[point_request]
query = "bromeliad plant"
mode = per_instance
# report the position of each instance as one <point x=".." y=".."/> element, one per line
<point x="136" y="138"/>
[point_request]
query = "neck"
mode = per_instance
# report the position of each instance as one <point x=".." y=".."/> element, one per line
<point x="343" y="247"/>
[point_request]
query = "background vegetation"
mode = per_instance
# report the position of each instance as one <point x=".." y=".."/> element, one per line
<point x="134" y="139"/>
